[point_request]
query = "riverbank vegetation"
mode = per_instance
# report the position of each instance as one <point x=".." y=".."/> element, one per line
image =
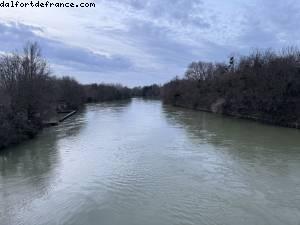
<point x="150" y="91"/>
<point x="30" y="95"/>
<point x="263" y="86"/>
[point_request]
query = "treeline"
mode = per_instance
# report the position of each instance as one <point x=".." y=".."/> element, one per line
<point x="264" y="86"/>
<point x="105" y="92"/>
<point x="151" y="91"/>
<point x="29" y="95"/>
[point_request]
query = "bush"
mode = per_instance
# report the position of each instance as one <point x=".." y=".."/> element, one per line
<point x="263" y="86"/>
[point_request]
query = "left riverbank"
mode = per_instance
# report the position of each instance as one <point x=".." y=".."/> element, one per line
<point x="30" y="95"/>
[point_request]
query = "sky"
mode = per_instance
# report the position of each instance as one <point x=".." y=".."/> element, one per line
<point x="140" y="42"/>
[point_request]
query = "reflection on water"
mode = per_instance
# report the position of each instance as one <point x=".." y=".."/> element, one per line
<point x="139" y="162"/>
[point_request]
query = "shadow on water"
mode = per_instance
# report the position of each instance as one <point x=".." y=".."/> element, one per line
<point x="29" y="170"/>
<point x="238" y="133"/>
<point x="33" y="161"/>
<point x="247" y="143"/>
<point x="27" y="159"/>
<point x="253" y="165"/>
<point x="26" y="172"/>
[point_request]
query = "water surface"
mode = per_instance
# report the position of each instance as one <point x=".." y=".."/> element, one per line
<point x="141" y="163"/>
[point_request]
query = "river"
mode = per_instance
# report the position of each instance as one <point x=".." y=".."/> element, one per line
<point x="139" y="162"/>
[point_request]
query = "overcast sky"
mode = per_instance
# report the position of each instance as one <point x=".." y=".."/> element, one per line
<point x="137" y="42"/>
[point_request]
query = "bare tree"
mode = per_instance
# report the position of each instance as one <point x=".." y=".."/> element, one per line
<point x="25" y="79"/>
<point x="199" y="71"/>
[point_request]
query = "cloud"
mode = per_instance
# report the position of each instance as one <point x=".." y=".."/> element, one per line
<point x="176" y="11"/>
<point x="146" y="41"/>
<point x="273" y="26"/>
<point x="16" y="34"/>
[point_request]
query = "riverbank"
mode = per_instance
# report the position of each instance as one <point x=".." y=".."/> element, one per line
<point x="61" y="116"/>
<point x="264" y="86"/>
<point x="30" y="95"/>
<point x="35" y="130"/>
<point x="294" y="125"/>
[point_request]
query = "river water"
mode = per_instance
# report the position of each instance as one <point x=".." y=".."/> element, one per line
<point x="139" y="162"/>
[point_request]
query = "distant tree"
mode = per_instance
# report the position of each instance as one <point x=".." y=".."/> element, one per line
<point x="152" y="91"/>
<point x="71" y="93"/>
<point x="137" y="91"/>
<point x="106" y="92"/>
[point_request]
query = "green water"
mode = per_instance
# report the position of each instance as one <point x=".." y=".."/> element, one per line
<point x="142" y="163"/>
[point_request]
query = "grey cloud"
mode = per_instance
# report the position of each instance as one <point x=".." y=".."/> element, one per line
<point x="270" y="24"/>
<point x="15" y="35"/>
<point x="178" y="11"/>
<point x="167" y="35"/>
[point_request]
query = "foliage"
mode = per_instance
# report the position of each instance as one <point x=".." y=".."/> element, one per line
<point x="151" y="91"/>
<point x="29" y="94"/>
<point x="264" y="86"/>
<point x="106" y="92"/>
